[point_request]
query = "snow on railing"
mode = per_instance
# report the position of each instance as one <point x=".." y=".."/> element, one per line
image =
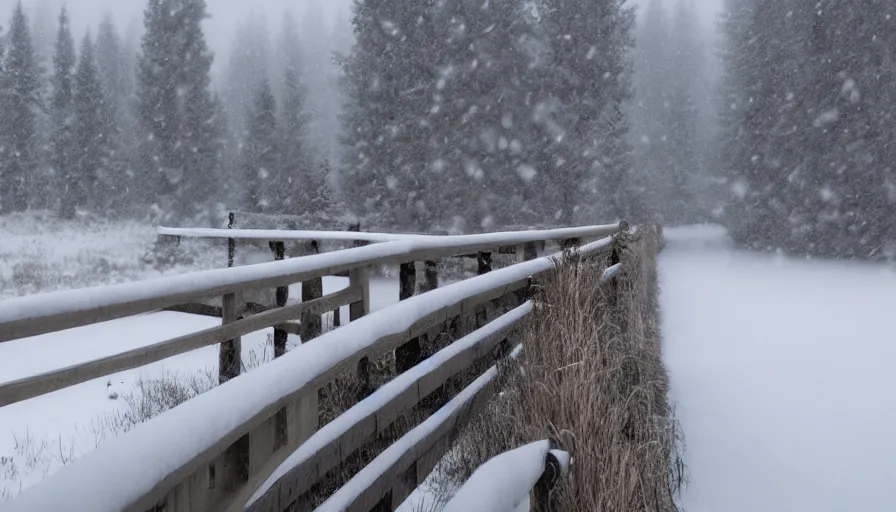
<point x="473" y="346"/>
<point x="48" y="312"/>
<point x="226" y="444"/>
<point x="497" y="238"/>
<point x="504" y="483"/>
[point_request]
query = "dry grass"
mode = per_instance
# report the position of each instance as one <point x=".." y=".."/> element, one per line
<point x="591" y="379"/>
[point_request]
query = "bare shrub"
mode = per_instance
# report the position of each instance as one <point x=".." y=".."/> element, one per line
<point x="29" y="276"/>
<point x="591" y="379"/>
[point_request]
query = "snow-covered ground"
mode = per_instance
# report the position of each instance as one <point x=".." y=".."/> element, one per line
<point x="38" y="436"/>
<point x="40" y="253"/>
<point x="783" y="372"/>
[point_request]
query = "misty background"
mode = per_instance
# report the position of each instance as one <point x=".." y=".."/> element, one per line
<point x="458" y="116"/>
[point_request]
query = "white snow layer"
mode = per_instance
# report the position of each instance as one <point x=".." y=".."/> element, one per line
<point x="387" y="393"/>
<point x="284" y="234"/>
<point x="782" y="371"/>
<point x="211" y="282"/>
<point x="107" y="479"/>
<point x="503" y="483"/>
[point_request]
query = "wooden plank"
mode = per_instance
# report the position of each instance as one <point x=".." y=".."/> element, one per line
<point x="293" y="327"/>
<point x="410" y="353"/>
<point x="430" y="276"/>
<point x="359" y="278"/>
<point x="197" y="308"/>
<point x="302" y="477"/>
<point x="303" y="419"/>
<point x="382" y="345"/>
<point x="282" y="296"/>
<point x="484" y="262"/>
<point x="33" y="386"/>
<point x="229" y="354"/>
<point x="385" y="481"/>
<point x="527" y="252"/>
<point x="262" y="444"/>
<point x="312" y="326"/>
<point x="72" y="311"/>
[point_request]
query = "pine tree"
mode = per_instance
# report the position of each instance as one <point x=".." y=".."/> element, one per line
<point x="63" y="142"/>
<point x="20" y="102"/>
<point x="388" y="80"/>
<point x="116" y="71"/>
<point x="175" y="108"/>
<point x="589" y="81"/>
<point x="260" y="155"/>
<point x="684" y="166"/>
<point x="200" y="137"/>
<point x="653" y="71"/>
<point x="247" y="69"/>
<point x="484" y="146"/>
<point x="157" y="93"/>
<point x="297" y="168"/>
<point x="93" y="134"/>
<point x="114" y="68"/>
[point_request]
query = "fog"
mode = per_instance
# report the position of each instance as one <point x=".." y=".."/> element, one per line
<point x="226" y="16"/>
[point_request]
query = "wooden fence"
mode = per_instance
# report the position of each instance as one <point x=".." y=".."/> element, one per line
<point x="256" y="442"/>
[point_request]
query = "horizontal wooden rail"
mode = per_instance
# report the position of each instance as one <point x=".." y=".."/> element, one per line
<point x="376" y="481"/>
<point x="183" y="442"/>
<point x="286" y="235"/>
<point x="332" y="445"/>
<point x="39" y="314"/>
<point x="36" y="385"/>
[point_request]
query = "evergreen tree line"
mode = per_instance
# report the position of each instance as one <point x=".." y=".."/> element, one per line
<point x="110" y="130"/>
<point x="808" y="125"/>
<point x="673" y="115"/>
<point x="468" y="115"/>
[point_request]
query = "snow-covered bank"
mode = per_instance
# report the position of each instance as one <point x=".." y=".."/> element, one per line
<point x="783" y="374"/>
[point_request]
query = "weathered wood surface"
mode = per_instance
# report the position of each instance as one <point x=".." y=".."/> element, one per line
<point x="228" y="470"/>
<point x="30" y="387"/>
<point x="300" y="479"/>
<point x="39" y="314"/>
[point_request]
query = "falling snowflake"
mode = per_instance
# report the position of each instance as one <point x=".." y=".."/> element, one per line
<point x="740" y="188"/>
<point x="826" y="118"/>
<point x="526" y="172"/>
<point x="507" y="121"/>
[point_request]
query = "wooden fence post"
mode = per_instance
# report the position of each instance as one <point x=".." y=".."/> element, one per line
<point x="526" y="252"/>
<point x="484" y="261"/>
<point x="313" y="289"/>
<point x="409" y="354"/>
<point x="431" y="276"/>
<point x="545" y="485"/>
<point x="280" y="336"/>
<point x="360" y="277"/>
<point x="229" y="355"/>
<point x="231" y="243"/>
<point x="570" y="244"/>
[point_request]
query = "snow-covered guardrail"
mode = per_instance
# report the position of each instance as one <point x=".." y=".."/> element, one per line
<point x="505" y="482"/>
<point x="258" y="434"/>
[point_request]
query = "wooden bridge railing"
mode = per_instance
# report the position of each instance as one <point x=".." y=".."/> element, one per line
<point x="259" y="434"/>
<point x="526" y="474"/>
